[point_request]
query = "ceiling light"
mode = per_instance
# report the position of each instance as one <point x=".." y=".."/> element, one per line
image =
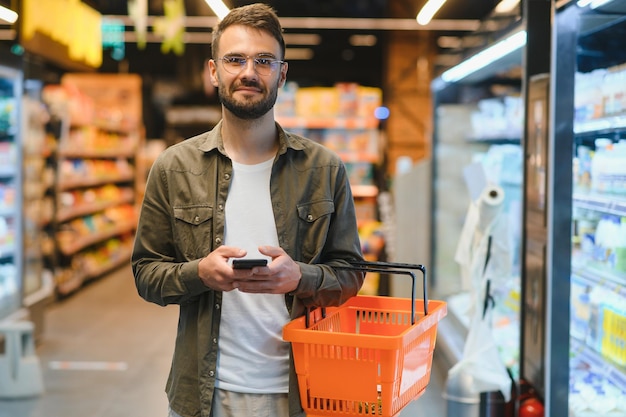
<point x="598" y="3"/>
<point x="218" y="7"/>
<point x="363" y="40"/>
<point x="428" y="11"/>
<point x="486" y="57"/>
<point x="298" y="54"/>
<point x="506" y="6"/>
<point x="594" y="4"/>
<point x="8" y="15"/>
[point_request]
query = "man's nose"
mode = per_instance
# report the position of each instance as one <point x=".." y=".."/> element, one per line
<point x="249" y="67"/>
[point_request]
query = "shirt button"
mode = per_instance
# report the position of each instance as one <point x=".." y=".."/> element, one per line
<point x="211" y="373"/>
<point x="214" y="340"/>
<point x="220" y="207"/>
<point x="227" y="176"/>
<point x="218" y="240"/>
<point x="309" y="218"/>
<point x="217" y="306"/>
<point x="196" y="219"/>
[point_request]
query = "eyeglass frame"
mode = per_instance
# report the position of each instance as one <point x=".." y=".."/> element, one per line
<point x="274" y="65"/>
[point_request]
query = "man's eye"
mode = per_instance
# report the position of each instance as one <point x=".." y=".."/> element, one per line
<point x="235" y="60"/>
<point x="264" y="61"/>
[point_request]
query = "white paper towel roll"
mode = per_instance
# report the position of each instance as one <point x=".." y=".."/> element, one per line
<point x="489" y="206"/>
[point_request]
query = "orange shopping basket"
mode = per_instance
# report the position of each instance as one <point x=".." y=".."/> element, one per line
<point x="370" y="356"/>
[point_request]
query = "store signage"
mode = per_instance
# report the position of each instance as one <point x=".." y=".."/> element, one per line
<point x="67" y="32"/>
<point x="113" y="37"/>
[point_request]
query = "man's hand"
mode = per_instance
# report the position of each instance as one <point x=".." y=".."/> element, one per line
<point x="281" y="276"/>
<point x="215" y="271"/>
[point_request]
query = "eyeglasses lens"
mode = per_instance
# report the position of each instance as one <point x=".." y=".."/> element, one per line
<point x="263" y="66"/>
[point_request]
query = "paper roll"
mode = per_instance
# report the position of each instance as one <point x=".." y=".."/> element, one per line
<point x="489" y="206"/>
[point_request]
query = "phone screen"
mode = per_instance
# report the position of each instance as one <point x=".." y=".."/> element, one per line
<point x="248" y="263"/>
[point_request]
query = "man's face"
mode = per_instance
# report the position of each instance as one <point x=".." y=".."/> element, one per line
<point x="247" y="94"/>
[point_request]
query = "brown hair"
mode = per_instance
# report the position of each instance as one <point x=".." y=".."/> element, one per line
<point x="258" y="15"/>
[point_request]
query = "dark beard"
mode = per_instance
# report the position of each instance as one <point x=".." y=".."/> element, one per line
<point x="248" y="110"/>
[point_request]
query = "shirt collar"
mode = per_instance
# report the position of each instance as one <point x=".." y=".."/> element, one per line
<point x="213" y="140"/>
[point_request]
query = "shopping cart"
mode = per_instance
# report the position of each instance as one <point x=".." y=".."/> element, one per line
<point x="370" y="356"/>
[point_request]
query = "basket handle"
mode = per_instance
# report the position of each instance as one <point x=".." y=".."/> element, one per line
<point x="386" y="268"/>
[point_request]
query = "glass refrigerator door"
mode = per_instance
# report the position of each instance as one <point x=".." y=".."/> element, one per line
<point x="591" y="74"/>
<point x="10" y="191"/>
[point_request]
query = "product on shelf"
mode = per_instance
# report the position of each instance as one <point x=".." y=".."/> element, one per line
<point x="600" y="93"/>
<point x="592" y="394"/>
<point x="498" y="118"/>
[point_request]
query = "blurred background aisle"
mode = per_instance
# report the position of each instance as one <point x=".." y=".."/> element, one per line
<point x="106" y="354"/>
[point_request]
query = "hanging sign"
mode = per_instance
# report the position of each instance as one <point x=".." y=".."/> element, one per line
<point x="138" y="12"/>
<point x="113" y="38"/>
<point x="172" y="27"/>
<point x="67" y="32"/>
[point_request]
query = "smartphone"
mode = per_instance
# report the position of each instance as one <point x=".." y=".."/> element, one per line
<point x="248" y="263"/>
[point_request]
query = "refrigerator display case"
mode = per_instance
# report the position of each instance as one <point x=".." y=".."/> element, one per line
<point x="477" y="147"/>
<point x="10" y="191"/>
<point x="586" y="193"/>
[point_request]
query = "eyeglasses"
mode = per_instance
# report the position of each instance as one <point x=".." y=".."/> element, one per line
<point x="234" y="64"/>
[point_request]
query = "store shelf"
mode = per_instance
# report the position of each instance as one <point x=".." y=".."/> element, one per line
<point x="364" y="190"/>
<point x="12" y="131"/>
<point x="614" y="373"/>
<point x="115" y="260"/>
<point x="601" y="124"/>
<point x="65" y="214"/>
<point x="7" y="212"/>
<point x="7" y="250"/>
<point x="7" y="172"/>
<point x="98" y="141"/>
<point x="496" y="140"/>
<point x="11" y="204"/>
<point x="73" y="243"/>
<point x="114" y="153"/>
<point x="598" y="276"/>
<point x="605" y="203"/>
<point x="69" y="184"/>
<point x="320" y="122"/>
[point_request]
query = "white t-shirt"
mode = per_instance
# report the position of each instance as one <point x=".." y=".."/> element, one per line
<point x="252" y="356"/>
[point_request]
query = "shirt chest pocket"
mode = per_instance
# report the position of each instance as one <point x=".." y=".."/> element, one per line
<point x="193" y="230"/>
<point x="313" y="227"/>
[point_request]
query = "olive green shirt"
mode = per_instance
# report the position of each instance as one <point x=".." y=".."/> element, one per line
<point x="182" y="220"/>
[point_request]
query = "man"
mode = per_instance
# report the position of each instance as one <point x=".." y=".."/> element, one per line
<point x="246" y="189"/>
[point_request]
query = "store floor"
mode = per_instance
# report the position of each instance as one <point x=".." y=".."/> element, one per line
<point x="106" y="353"/>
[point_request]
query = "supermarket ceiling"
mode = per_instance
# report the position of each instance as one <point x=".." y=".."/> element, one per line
<point x="332" y="54"/>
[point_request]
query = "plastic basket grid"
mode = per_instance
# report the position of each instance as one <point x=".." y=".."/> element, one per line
<point x="365" y="358"/>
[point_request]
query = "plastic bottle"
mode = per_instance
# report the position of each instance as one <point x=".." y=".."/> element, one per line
<point x="598" y="165"/>
<point x="595" y="330"/>
<point x="620" y="250"/>
<point x="584" y="168"/>
<point x="612" y="241"/>
<point x="601" y="239"/>
<point x="619" y="167"/>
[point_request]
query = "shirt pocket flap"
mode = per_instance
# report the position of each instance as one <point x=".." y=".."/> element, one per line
<point x="193" y="215"/>
<point x="310" y="212"/>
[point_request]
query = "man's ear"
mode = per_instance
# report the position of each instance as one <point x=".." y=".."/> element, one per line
<point x="207" y="80"/>
<point x="209" y="74"/>
<point x="283" y="74"/>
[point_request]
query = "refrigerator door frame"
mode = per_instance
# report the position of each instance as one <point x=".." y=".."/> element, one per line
<point x="569" y="28"/>
<point x="11" y="70"/>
